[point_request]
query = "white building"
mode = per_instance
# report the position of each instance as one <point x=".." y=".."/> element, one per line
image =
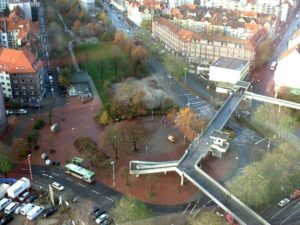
<point x="294" y="40"/>
<point x="24" y="5"/>
<point x="287" y="72"/>
<point x="229" y="70"/>
<point x="119" y="4"/>
<point x="88" y="5"/>
<point x="136" y="15"/>
<point x="3" y="5"/>
<point x="177" y="3"/>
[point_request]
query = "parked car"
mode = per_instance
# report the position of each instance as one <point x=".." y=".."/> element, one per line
<point x="95" y="212"/>
<point x="295" y="194"/>
<point x="6" y="219"/>
<point x="169" y="76"/>
<point x="49" y="212"/>
<point x="171" y="138"/>
<point x="11" y="207"/>
<point x="284" y="202"/>
<point x="9" y="112"/>
<point x="57" y="186"/>
<point x="23" y="196"/>
<point x="102" y="218"/>
<point x="22" y="112"/>
<point x="31" y="198"/>
<point x="18" y="209"/>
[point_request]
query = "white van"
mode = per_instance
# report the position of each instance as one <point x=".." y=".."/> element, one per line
<point x="35" y="212"/>
<point x="11" y="207"/>
<point x="273" y="65"/>
<point x="4" y="202"/>
<point x="27" y="208"/>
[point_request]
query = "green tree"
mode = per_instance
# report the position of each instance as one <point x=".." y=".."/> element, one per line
<point x="6" y="11"/>
<point x="20" y="148"/>
<point x="65" y="77"/>
<point x="39" y="124"/>
<point x="263" y="53"/>
<point x="129" y="209"/>
<point x="146" y="24"/>
<point x="32" y="138"/>
<point x="208" y="218"/>
<point x="105" y="36"/>
<point x="6" y="163"/>
<point x="103" y="17"/>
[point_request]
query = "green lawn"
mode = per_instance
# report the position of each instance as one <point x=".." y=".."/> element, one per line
<point x="106" y="63"/>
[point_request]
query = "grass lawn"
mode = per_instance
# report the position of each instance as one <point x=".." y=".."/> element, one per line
<point x="106" y="63"/>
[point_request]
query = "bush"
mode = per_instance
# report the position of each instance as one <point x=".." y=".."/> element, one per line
<point x="39" y="124"/>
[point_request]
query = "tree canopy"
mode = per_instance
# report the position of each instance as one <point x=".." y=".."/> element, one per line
<point x="208" y="218"/>
<point x="129" y="209"/>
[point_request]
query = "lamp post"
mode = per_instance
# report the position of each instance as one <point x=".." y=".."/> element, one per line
<point x="185" y="75"/>
<point x="146" y="151"/>
<point x="114" y="179"/>
<point x="152" y="114"/>
<point x="28" y="157"/>
<point x="73" y="131"/>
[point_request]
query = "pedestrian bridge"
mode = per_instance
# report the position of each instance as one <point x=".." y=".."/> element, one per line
<point x="189" y="165"/>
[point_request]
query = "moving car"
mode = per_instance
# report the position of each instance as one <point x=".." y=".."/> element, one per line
<point x="22" y="112"/>
<point x="169" y="75"/>
<point x="171" y="138"/>
<point x="57" y="186"/>
<point x="49" y="212"/>
<point x="284" y="202"/>
<point x="295" y="194"/>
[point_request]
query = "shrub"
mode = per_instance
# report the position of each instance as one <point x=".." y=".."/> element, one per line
<point x="39" y="124"/>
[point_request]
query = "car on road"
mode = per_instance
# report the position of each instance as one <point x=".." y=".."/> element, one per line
<point x="6" y="219"/>
<point x="169" y="76"/>
<point x="95" y="212"/>
<point x="49" y="212"/>
<point x="284" y="202"/>
<point x="57" y="186"/>
<point x="31" y="198"/>
<point x="171" y="138"/>
<point x="23" y="196"/>
<point x="295" y="194"/>
<point x="9" y="112"/>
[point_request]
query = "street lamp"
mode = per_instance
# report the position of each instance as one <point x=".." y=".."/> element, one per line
<point x="146" y="151"/>
<point x="114" y="179"/>
<point x="28" y="157"/>
<point x="152" y="114"/>
<point x="73" y="131"/>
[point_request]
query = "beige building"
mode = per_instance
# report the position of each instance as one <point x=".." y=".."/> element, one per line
<point x="21" y="75"/>
<point x="202" y="47"/>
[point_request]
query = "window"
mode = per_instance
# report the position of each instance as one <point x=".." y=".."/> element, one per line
<point x="9" y="89"/>
<point x="31" y="87"/>
<point x="2" y="77"/>
<point x="7" y="78"/>
<point x="23" y="87"/>
<point x="3" y="88"/>
<point x="30" y="81"/>
<point x="24" y="93"/>
<point x="2" y="83"/>
<point x="16" y="92"/>
<point x="16" y="87"/>
<point x="23" y="81"/>
<point x="15" y="81"/>
<point x="32" y="93"/>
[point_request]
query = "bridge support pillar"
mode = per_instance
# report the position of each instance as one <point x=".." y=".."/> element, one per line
<point x="182" y="180"/>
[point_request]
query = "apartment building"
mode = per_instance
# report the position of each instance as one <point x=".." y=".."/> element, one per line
<point x="88" y="5"/>
<point x="21" y="75"/>
<point x="3" y="4"/>
<point x="205" y="48"/>
<point x="138" y="13"/>
<point x="3" y="120"/>
<point x="233" y="23"/>
<point x="286" y="75"/>
<point x="24" y="5"/>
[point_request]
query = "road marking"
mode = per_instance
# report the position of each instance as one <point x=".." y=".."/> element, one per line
<point x="55" y="174"/>
<point x="186" y="208"/>
<point x="96" y="192"/>
<point x="69" y="179"/>
<point x="24" y="169"/>
<point x="81" y="185"/>
<point x="45" y="175"/>
<point x="286" y="219"/>
<point x="109" y="198"/>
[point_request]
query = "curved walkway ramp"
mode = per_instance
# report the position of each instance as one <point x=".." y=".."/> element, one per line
<point x="188" y="167"/>
<point x="142" y="167"/>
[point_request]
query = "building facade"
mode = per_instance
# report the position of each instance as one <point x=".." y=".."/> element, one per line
<point x="3" y="120"/>
<point x="88" y="5"/>
<point x="21" y="75"/>
<point x="204" y="48"/>
<point x="25" y="6"/>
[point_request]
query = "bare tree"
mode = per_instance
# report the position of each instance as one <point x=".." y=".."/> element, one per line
<point x="81" y="215"/>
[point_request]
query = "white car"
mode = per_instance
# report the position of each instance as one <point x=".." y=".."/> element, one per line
<point x="284" y="202"/>
<point x="102" y="218"/>
<point x="23" y="196"/>
<point x="22" y="111"/>
<point x="57" y="186"/>
<point x="17" y="210"/>
<point x="169" y="75"/>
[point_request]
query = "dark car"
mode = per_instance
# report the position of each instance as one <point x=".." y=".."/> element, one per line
<point x="95" y="212"/>
<point x="31" y="198"/>
<point x="49" y="212"/>
<point x="6" y="219"/>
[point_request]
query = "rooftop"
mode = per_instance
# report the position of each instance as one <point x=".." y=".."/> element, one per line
<point x="220" y="135"/>
<point x="230" y="63"/>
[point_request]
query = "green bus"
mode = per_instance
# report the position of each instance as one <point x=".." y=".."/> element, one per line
<point x="80" y="172"/>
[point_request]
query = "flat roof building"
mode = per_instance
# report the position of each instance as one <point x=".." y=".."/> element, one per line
<point x="229" y="70"/>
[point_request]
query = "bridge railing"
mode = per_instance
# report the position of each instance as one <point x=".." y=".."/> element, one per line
<point x="227" y="193"/>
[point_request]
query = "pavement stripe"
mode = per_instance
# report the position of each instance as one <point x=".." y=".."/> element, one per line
<point x="55" y="174"/>
<point x="96" y="192"/>
<point x="69" y="179"/>
<point x="81" y="185"/>
<point x="109" y="198"/>
<point x="186" y="208"/>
